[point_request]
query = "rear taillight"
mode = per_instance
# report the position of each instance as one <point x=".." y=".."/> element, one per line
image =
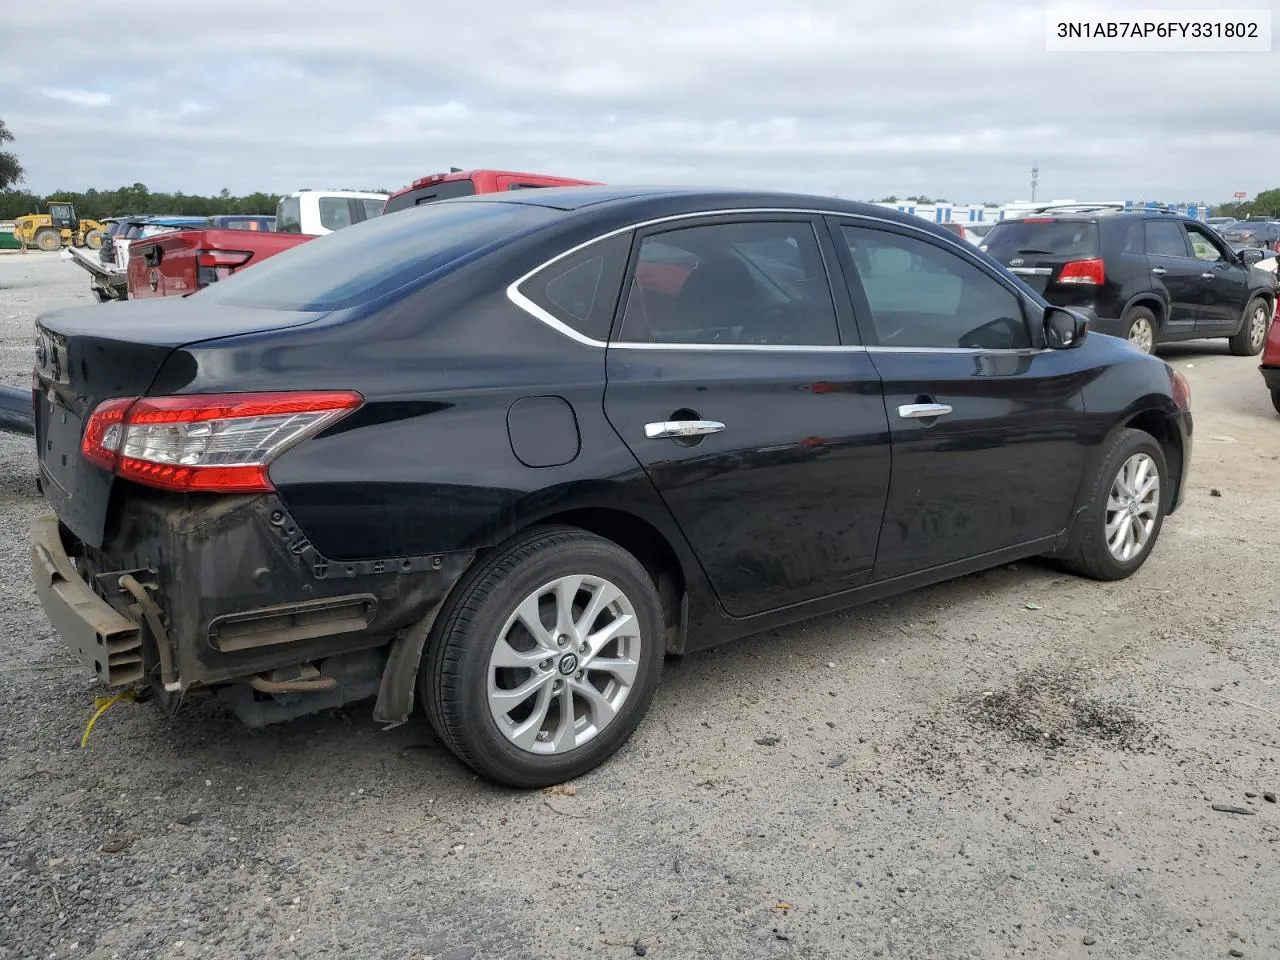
<point x="1181" y="390"/>
<point x="1083" y="271"/>
<point x="219" y="443"/>
<point x="215" y="265"/>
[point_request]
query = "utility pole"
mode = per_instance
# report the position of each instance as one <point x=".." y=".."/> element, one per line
<point x="1035" y="179"/>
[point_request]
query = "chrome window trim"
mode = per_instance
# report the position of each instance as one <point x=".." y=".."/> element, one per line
<point x="519" y="300"/>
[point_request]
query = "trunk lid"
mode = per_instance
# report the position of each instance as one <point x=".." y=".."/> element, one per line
<point x="1036" y="250"/>
<point x="84" y="357"/>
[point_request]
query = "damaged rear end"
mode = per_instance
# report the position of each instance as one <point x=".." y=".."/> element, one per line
<point x="172" y="561"/>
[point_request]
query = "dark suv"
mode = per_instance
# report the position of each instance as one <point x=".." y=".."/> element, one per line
<point x="1148" y="276"/>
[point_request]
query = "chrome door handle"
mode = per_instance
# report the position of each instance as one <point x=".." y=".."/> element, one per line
<point x="1159" y="270"/>
<point x="681" y="428"/>
<point x="1207" y="276"/>
<point x="917" y="411"/>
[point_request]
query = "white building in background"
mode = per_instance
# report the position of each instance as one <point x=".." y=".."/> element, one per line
<point x="989" y="213"/>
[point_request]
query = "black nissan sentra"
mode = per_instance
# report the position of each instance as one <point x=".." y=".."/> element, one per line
<point x="506" y="452"/>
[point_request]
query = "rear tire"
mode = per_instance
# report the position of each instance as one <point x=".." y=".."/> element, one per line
<point x="1118" y="538"/>
<point x="48" y="240"/>
<point x="1141" y="329"/>
<point x="1252" y="335"/>
<point x="506" y="630"/>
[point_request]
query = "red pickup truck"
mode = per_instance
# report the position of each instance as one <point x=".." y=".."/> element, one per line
<point x="179" y="264"/>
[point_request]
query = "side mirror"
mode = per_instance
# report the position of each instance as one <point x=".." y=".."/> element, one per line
<point x="1251" y="255"/>
<point x="1063" y="329"/>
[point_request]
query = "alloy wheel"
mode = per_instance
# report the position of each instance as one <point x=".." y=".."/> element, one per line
<point x="1258" y="324"/>
<point x="1142" y="335"/>
<point x="1133" y="507"/>
<point x="564" y="664"/>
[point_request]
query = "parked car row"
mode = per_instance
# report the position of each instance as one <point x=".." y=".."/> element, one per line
<point x="505" y="453"/>
<point x="182" y="263"/>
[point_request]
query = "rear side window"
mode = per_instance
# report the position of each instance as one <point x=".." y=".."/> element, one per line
<point x="376" y="257"/>
<point x="444" y="190"/>
<point x="372" y="208"/>
<point x="1049" y="238"/>
<point x="1165" y="239"/>
<point x="289" y="216"/>
<point x="581" y="290"/>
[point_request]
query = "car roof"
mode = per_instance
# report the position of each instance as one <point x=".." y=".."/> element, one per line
<point x="637" y="198"/>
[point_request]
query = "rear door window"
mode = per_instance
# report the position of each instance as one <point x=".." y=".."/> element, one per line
<point x="1166" y="239"/>
<point x="758" y="282"/>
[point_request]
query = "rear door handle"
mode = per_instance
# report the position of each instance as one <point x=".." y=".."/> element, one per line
<point x="918" y="411"/>
<point x="667" y="429"/>
<point x="1160" y="271"/>
<point x="1207" y="276"/>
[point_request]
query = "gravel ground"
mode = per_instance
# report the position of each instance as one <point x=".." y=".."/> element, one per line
<point x="1015" y="764"/>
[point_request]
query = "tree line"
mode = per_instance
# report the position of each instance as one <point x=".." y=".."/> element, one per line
<point x="135" y="199"/>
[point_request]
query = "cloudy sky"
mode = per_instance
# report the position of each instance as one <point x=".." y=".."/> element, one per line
<point x="859" y="98"/>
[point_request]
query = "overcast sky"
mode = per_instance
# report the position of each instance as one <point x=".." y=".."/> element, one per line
<point x="860" y="98"/>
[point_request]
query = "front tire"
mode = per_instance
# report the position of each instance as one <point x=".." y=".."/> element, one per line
<point x="1126" y="508"/>
<point x="1253" y="330"/>
<point x="48" y="240"/>
<point x="1140" y="329"/>
<point x="546" y="658"/>
<point x="93" y="239"/>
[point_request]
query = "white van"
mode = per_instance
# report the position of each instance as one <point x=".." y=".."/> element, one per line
<point x="317" y="212"/>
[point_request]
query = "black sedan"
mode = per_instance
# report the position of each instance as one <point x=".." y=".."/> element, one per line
<point x="511" y="450"/>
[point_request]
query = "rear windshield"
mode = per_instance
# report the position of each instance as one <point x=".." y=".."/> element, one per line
<point x="1052" y="238"/>
<point x="443" y="190"/>
<point x="368" y="259"/>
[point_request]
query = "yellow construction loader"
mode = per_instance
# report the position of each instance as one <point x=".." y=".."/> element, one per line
<point x="58" y="228"/>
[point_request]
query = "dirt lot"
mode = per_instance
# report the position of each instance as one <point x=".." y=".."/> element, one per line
<point x="1017" y="764"/>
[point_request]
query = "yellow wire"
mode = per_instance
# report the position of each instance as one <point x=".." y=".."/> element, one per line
<point x="102" y="705"/>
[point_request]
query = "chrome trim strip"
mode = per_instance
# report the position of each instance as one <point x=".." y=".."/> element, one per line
<point x="1031" y="271"/>
<point x="985" y="351"/>
<point x="519" y="300"/>
<point x="758" y="347"/>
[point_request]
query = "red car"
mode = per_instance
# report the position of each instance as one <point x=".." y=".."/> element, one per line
<point x="1271" y="359"/>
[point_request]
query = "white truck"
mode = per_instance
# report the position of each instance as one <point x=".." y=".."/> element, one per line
<point x="317" y="212"/>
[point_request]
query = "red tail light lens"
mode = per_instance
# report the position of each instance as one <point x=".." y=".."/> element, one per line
<point x="222" y="258"/>
<point x="1181" y="390"/>
<point x="215" y="265"/>
<point x="1083" y="271"/>
<point x="217" y="443"/>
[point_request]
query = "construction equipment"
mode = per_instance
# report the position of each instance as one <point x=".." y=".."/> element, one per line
<point x="58" y="228"/>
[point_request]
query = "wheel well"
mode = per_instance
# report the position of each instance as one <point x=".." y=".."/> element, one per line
<point x="1153" y="304"/>
<point x="1159" y="425"/>
<point x="647" y="544"/>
